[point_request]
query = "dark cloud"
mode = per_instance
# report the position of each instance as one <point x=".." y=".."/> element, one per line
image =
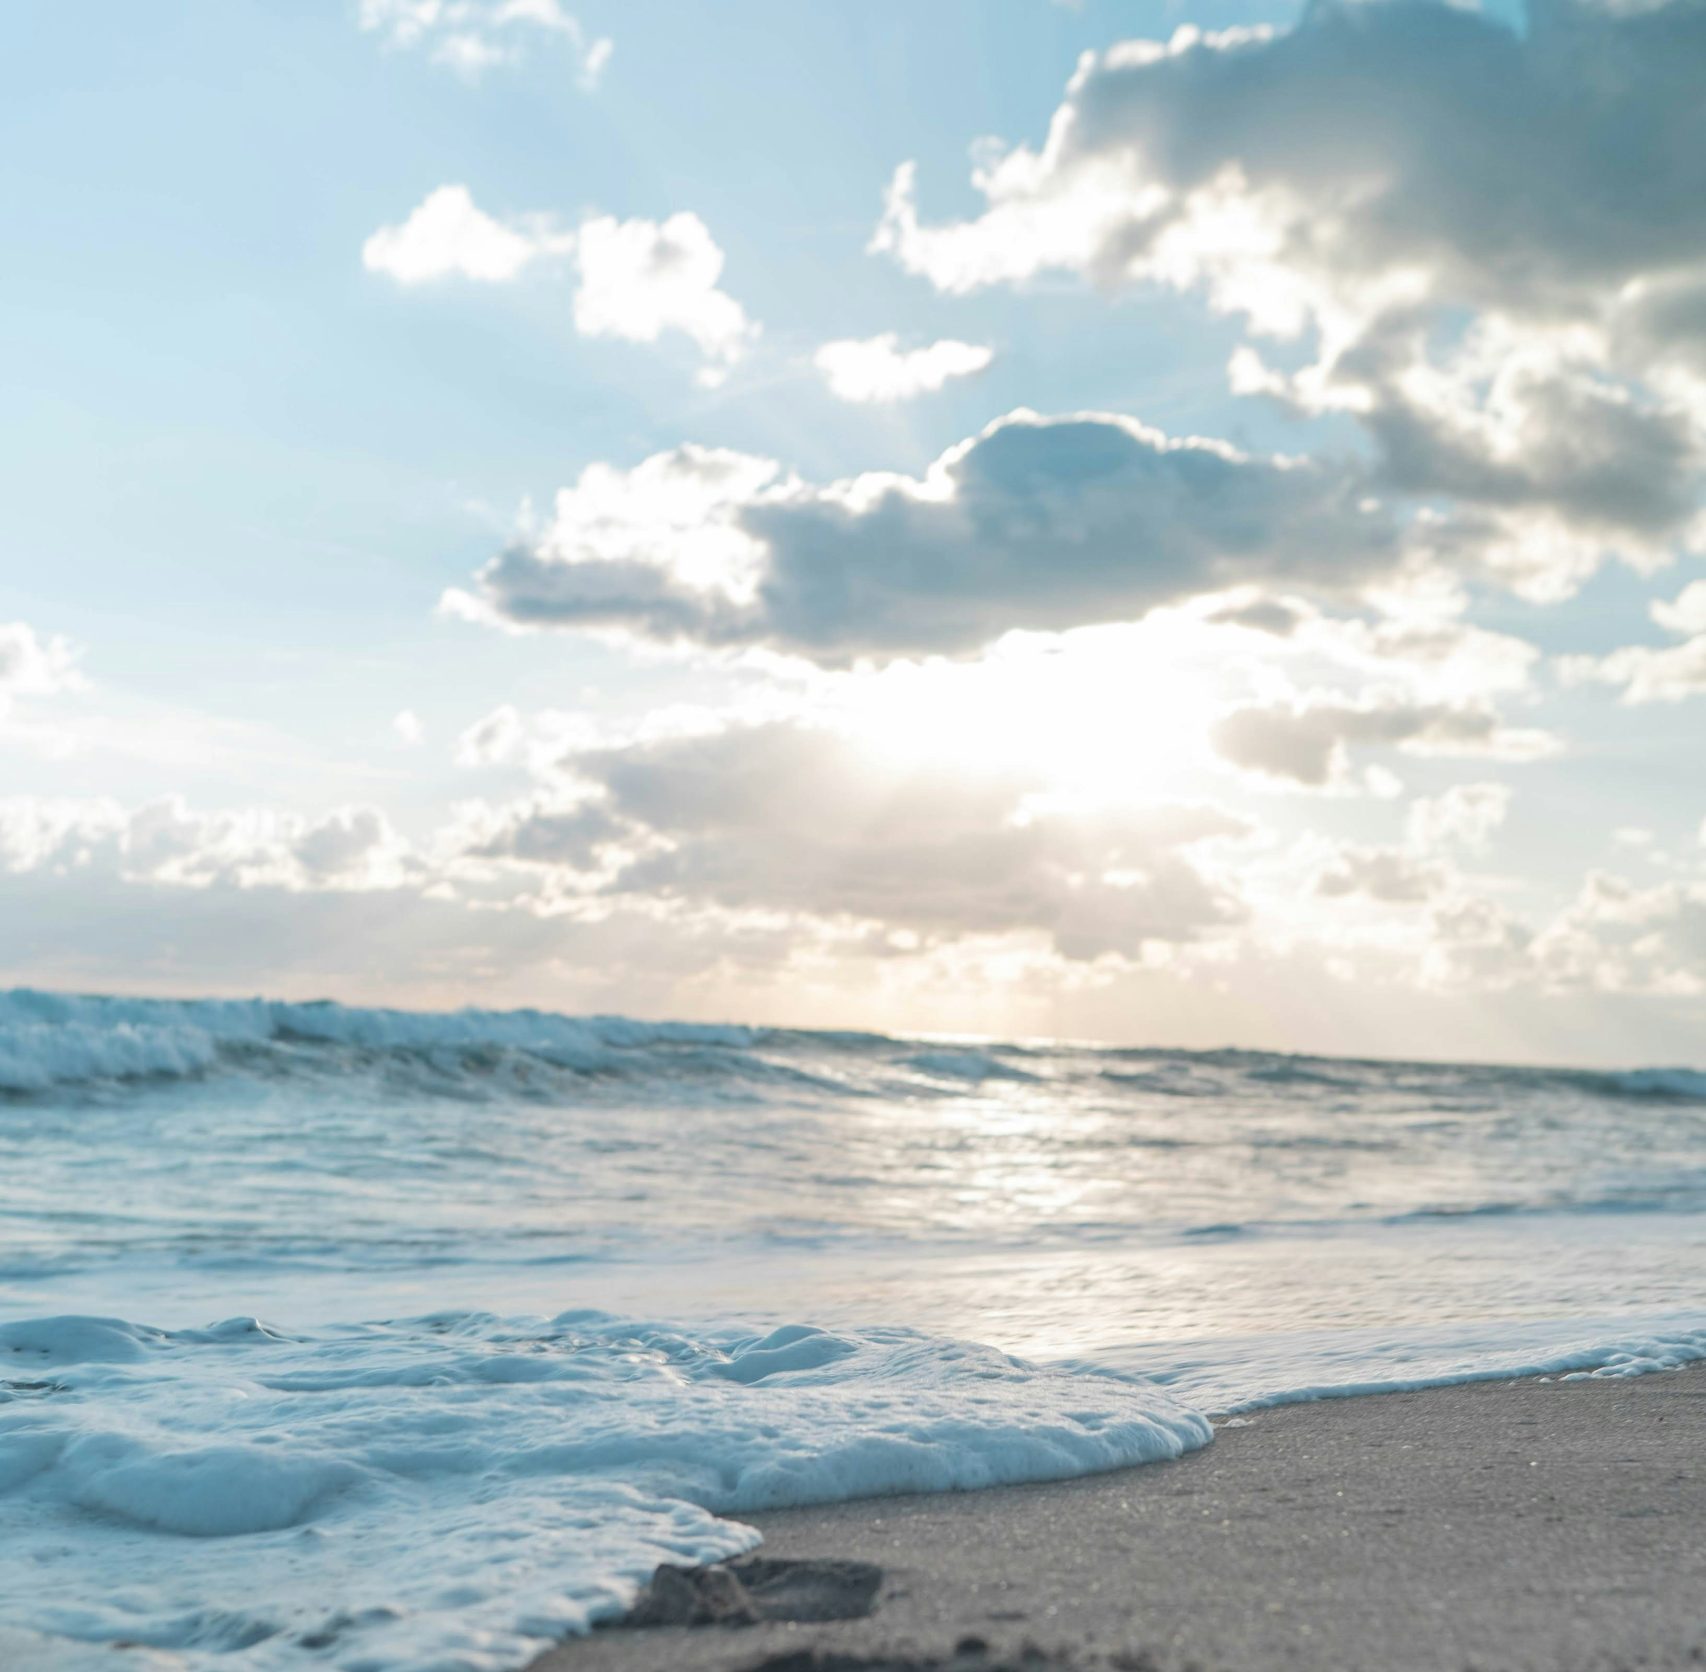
<point x="1522" y="169"/>
<point x="1036" y="523"/>
<point x="1498" y="236"/>
<point x="542" y="834"/>
<point x="1307" y="742"/>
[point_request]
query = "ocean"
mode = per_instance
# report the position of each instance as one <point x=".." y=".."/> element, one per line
<point x="379" y="1341"/>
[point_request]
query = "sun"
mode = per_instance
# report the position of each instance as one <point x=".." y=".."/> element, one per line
<point x="1097" y="715"/>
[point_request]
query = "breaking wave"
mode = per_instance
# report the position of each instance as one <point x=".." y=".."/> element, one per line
<point x="52" y="1041"/>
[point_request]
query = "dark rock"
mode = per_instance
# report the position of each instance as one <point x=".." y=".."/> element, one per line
<point x="809" y="1591"/>
<point x="742" y="1593"/>
<point x="702" y="1596"/>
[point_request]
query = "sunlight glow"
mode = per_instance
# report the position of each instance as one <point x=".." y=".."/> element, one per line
<point x="1101" y="715"/>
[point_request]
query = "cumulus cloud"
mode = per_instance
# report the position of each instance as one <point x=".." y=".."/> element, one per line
<point x="1392" y="876"/>
<point x="637" y="279"/>
<point x="1617" y="936"/>
<point x="1037" y="523"/>
<point x="1308" y="742"/>
<point x="1493" y="237"/>
<point x="1426" y="641"/>
<point x="1420" y="871"/>
<point x="1654" y="673"/>
<point x="573" y="835"/>
<point x="449" y="236"/>
<point x="1331" y="155"/>
<point x="1465" y="815"/>
<point x="33" y="665"/>
<point x="473" y="36"/>
<point x="1477" y="943"/>
<point x="878" y="369"/>
<point x="789" y="817"/>
<point x="167" y="842"/>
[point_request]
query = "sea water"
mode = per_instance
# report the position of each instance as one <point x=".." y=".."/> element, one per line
<point x="371" y="1340"/>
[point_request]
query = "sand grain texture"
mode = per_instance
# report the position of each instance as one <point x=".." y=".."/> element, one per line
<point x="1506" y="1527"/>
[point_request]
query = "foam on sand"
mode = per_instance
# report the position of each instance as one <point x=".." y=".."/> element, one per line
<point x="458" y="1490"/>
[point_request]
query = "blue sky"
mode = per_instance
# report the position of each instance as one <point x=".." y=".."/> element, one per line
<point x="1455" y="440"/>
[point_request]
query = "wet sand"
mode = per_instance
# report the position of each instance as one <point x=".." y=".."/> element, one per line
<point x="1535" y="1526"/>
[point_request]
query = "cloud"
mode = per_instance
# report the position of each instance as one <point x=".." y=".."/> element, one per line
<point x="1617" y="937"/>
<point x="1034" y="523"/>
<point x="790" y="817"/>
<point x="1421" y="637"/>
<point x="167" y="842"/>
<point x="745" y="823"/>
<point x="1391" y="876"/>
<point x="351" y="842"/>
<point x="1477" y="944"/>
<point x="1493" y="238"/>
<point x="448" y="236"/>
<point x="1329" y="159"/>
<point x="1415" y="873"/>
<point x="572" y="834"/>
<point x="1308" y="742"/>
<point x="1465" y="815"/>
<point x="878" y="369"/>
<point x="32" y="665"/>
<point x="637" y="279"/>
<point x="1654" y="673"/>
<point x="473" y="36"/>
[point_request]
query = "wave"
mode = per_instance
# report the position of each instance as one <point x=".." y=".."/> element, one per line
<point x="968" y="1064"/>
<point x="55" y="1041"/>
<point x="1683" y="1084"/>
<point x="49" y="1040"/>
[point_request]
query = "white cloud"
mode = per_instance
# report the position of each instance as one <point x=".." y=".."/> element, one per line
<point x="1465" y="815"/>
<point x="1441" y="657"/>
<point x="879" y="369"/>
<point x="473" y="36"/>
<point x="32" y="665"/>
<point x="449" y="236"/>
<point x="639" y="279"/>
<point x="1619" y="937"/>
<point x="167" y="842"/>
<point x="406" y="723"/>
<point x="1654" y="673"/>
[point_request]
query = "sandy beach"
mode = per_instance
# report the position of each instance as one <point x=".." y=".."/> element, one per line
<point x="1516" y="1525"/>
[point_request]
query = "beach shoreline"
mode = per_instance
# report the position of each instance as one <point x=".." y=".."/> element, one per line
<point x="1523" y="1525"/>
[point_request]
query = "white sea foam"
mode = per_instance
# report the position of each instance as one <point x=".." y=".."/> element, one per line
<point x="458" y="1490"/>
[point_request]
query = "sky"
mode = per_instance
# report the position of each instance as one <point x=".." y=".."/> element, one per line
<point x="1165" y="523"/>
